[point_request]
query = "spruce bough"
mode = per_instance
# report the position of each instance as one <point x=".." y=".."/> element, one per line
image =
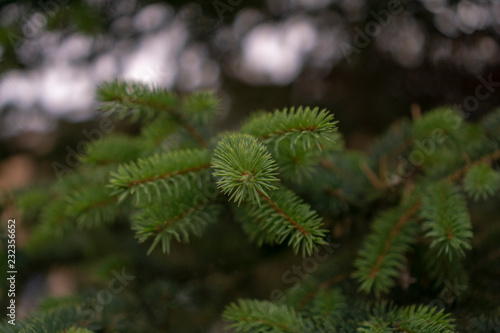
<point x="287" y="179"/>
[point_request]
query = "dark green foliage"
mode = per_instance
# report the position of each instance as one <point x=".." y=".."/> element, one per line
<point x="61" y="319"/>
<point x="112" y="149"/>
<point x="161" y="132"/>
<point x="299" y="165"/>
<point x="31" y="202"/>
<point x="262" y="316"/>
<point x="78" y="330"/>
<point x="481" y="181"/>
<point x="410" y="319"/>
<point x="175" y="218"/>
<point x="395" y="141"/>
<point x="484" y="324"/>
<point x="491" y="123"/>
<point x="202" y="107"/>
<point x="444" y="125"/>
<point x="383" y="254"/>
<point x="93" y="206"/>
<point x="446" y="220"/>
<point x="343" y="183"/>
<point x="327" y="308"/>
<point x="399" y="217"/>
<point x="448" y="276"/>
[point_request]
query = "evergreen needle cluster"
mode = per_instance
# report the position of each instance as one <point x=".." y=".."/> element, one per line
<point x="245" y="168"/>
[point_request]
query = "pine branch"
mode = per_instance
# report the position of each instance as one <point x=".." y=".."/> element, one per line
<point x="176" y="218"/>
<point x="133" y="99"/>
<point x="81" y="197"/>
<point x="488" y="159"/>
<point x="92" y="206"/>
<point x="283" y="216"/>
<point x="60" y="319"/>
<point x="112" y="149"/>
<point x="301" y="126"/>
<point x="202" y="107"/>
<point x="484" y="324"/>
<point x="491" y="123"/>
<point x="85" y="206"/>
<point x="262" y="316"/>
<point x="323" y="308"/>
<point x="327" y="308"/>
<point x="54" y="215"/>
<point x="481" y="181"/>
<point x="441" y="160"/>
<point x="299" y="165"/>
<point x="53" y="225"/>
<point x="446" y="220"/>
<point x="449" y="277"/>
<point x="343" y="183"/>
<point x="299" y="296"/>
<point x="373" y="178"/>
<point x="32" y="201"/>
<point x="124" y="98"/>
<point x="383" y="252"/>
<point x="411" y="319"/>
<point x="437" y="123"/>
<point x="393" y="143"/>
<point x="169" y="171"/>
<point x="302" y="294"/>
<point x="159" y="132"/>
<point x="244" y="168"/>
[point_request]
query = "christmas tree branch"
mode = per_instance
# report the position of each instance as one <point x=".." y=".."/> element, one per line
<point x="123" y="97"/>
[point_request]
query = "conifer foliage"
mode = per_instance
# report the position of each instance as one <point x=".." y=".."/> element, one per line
<point x="286" y="178"/>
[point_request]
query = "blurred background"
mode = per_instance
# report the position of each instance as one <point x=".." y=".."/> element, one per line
<point x="367" y="61"/>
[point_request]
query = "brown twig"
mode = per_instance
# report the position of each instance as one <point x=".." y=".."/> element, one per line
<point x="282" y="213"/>
<point x="489" y="158"/>
<point x="372" y="177"/>
<point x="416" y="112"/>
